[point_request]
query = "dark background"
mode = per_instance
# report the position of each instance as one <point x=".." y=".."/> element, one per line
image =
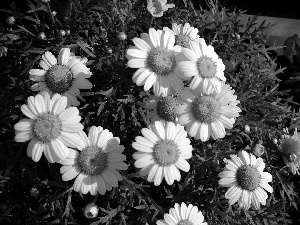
<point x="284" y="8"/>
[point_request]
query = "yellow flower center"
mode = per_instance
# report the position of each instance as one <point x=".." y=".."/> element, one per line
<point x="166" y="108"/>
<point x="92" y="160"/>
<point x="182" y="40"/>
<point x="59" y="78"/>
<point x="206" y="109"/>
<point x="165" y="152"/>
<point x="207" y="68"/>
<point x="47" y="127"/>
<point x="248" y="177"/>
<point x="161" y="61"/>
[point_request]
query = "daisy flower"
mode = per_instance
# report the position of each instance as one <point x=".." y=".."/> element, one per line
<point x="154" y="56"/>
<point x="162" y="151"/>
<point x="50" y="127"/>
<point x="163" y="108"/>
<point x="184" y="34"/>
<point x="290" y="148"/>
<point x="158" y="7"/>
<point x="96" y="163"/>
<point x="64" y="75"/>
<point x="204" y="65"/>
<point x="183" y="215"/>
<point x="207" y="115"/>
<point x="246" y="180"/>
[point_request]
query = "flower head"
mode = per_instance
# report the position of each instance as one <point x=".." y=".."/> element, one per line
<point x="204" y="65"/>
<point x="50" y="127"/>
<point x="207" y="115"/>
<point x="96" y="163"/>
<point x="184" y="34"/>
<point x="155" y="57"/>
<point x="183" y="215"/>
<point x="65" y="75"/>
<point x="245" y="176"/>
<point x="162" y="151"/>
<point x="158" y="7"/>
<point x="290" y="147"/>
<point x="163" y="108"/>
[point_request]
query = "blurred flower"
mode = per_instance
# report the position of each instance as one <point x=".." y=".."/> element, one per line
<point x="183" y="215"/>
<point x="54" y="13"/>
<point x="258" y="150"/>
<point x="275" y="141"/>
<point x="158" y="7"/>
<point x="154" y="55"/>
<point x="184" y="34"/>
<point x="10" y="20"/>
<point x="122" y="36"/>
<point x="290" y="147"/>
<point x="162" y="152"/>
<point x="3" y="51"/>
<point x="247" y="129"/>
<point x="163" y="108"/>
<point x="204" y="65"/>
<point x="90" y="211"/>
<point x="34" y="192"/>
<point x="51" y="127"/>
<point x="246" y="179"/>
<point x="65" y="75"/>
<point x="207" y="116"/>
<point x="62" y="33"/>
<point x="95" y="165"/>
<point x="41" y="36"/>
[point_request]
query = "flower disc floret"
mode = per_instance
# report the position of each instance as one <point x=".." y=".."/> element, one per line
<point x="166" y="108"/>
<point x="92" y="160"/>
<point x="206" y="109"/>
<point x="47" y="127"/>
<point x="161" y="60"/>
<point x="59" y="78"/>
<point x="248" y="178"/>
<point x="207" y="68"/>
<point x="165" y="152"/>
<point x="185" y="222"/>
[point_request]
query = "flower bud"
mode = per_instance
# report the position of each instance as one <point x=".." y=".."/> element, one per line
<point x="292" y="157"/>
<point x="34" y="192"/>
<point x="122" y="36"/>
<point x="247" y="129"/>
<point x="258" y="150"/>
<point x="10" y="20"/>
<point x="90" y="211"/>
<point x="275" y="141"/>
<point x="41" y="36"/>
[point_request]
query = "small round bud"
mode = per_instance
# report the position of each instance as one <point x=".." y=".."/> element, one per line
<point x="122" y="36"/>
<point x="34" y="192"/>
<point x="238" y="36"/>
<point x="247" y="129"/>
<point x="258" y="150"/>
<point x="292" y="157"/>
<point x="10" y="20"/>
<point x="62" y="33"/>
<point x="209" y="146"/>
<point x="90" y="211"/>
<point x="41" y="36"/>
<point x="109" y="50"/>
<point x="3" y="51"/>
<point x="275" y="141"/>
<point x="68" y="32"/>
<point x="54" y="13"/>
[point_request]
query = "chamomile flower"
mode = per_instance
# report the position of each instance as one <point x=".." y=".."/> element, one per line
<point x="290" y="148"/>
<point x="154" y="57"/>
<point x="163" y="108"/>
<point x="96" y="163"/>
<point x="184" y="34"/>
<point x="204" y="65"/>
<point x="64" y="75"/>
<point x="158" y="7"/>
<point x="183" y="215"/>
<point x="50" y="127"/>
<point x="162" y="152"/>
<point x="246" y="180"/>
<point x="207" y="115"/>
